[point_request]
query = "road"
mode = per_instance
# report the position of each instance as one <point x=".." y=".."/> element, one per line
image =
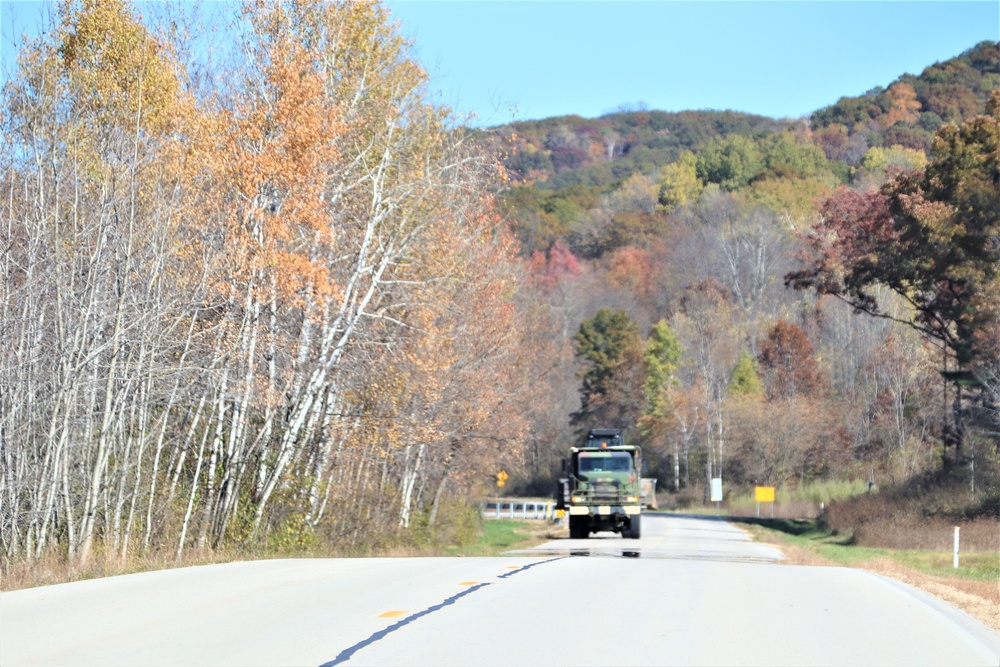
<point x="692" y="591"/>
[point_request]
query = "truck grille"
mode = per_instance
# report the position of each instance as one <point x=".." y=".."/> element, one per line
<point x="605" y="491"/>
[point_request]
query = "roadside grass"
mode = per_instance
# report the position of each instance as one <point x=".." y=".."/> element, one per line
<point x="839" y="549"/>
<point x="53" y="568"/>
<point x="499" y="535"/>
<point x="491" y="538"/>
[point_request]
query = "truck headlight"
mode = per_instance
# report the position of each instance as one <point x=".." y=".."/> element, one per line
<point x="576" y="499"/>
<point x="630" y="499"/>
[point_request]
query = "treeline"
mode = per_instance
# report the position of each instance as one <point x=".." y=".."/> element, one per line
<point x="569" y="150"/>
<point x="268" y="301"/>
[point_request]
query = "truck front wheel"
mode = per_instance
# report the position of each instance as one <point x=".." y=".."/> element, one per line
<point x="634" y="527"/>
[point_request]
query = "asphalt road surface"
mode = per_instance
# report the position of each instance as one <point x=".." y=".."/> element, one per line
<point x="692" y="591"/>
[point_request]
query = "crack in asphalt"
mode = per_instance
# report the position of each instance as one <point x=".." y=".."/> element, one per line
<point x="347" y="653"/>
<point x="526" y="567"/>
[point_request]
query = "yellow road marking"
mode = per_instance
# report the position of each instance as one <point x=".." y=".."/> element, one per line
<point x="391" y="614"/>
<point x="467" y="583"/>
<point x="513" y="567"/>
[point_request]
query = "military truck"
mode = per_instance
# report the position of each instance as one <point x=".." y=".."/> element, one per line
<point x="601" y="486"/>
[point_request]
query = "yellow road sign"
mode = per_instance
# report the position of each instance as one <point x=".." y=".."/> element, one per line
<point x="764" y="494"/>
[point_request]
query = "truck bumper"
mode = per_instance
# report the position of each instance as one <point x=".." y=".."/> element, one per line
<point x="604" y="510"/>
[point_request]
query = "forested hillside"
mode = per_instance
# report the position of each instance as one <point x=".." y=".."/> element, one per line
<point x="670" y="247"/>
<point x="280" y="300"/>
<point x="562" y="166"/>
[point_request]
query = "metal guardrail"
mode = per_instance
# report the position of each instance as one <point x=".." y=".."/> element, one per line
<point x="519" y="508"/>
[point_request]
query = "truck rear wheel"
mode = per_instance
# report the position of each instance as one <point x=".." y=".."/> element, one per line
<point x="578" y="528"/>
<point x="635" y="527"/>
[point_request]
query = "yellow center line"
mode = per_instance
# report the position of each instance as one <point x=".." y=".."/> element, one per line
<point x="391" y="614"/>
<point x="467" y="583"/>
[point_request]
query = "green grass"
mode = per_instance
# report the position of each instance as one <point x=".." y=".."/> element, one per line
<point x="499" y="535"/>
<point x="807" y="534"/>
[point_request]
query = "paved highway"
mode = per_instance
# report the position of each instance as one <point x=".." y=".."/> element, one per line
<point x="692" y="591"/>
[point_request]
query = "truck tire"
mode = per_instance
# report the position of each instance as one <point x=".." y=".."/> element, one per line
<point x="635" y="527"/>
<point x="578" y="528"/>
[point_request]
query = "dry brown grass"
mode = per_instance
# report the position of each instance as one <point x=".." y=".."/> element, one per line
<point x="888" y="523"/>
<point x="543" y="531"/>
<point x="921" y="514"/>
<point x="792" y="509"/>
<point x="54" y="569"/>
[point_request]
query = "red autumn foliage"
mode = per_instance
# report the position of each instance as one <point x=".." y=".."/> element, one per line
<point x="788" y="363"/>
<point x="548" y="269"/>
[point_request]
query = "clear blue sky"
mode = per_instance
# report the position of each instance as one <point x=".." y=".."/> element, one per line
<point x="526" y="60"/>
<point x="780" y="59"/>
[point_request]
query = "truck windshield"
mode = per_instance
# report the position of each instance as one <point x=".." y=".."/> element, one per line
<point x="604" y="462"/>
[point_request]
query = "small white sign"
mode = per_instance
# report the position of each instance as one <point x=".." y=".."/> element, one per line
<point x="716" y="489"/>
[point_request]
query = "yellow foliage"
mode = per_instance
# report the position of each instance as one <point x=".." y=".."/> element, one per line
<point x="123" y="76"/>
<point x="800" y="199"/>
<point x="679" y="183"/>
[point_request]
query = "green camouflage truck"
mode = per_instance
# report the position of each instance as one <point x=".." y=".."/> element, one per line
<point x="601" y="489"/>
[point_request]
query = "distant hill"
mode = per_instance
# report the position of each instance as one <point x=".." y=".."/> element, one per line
<point x="570" y="150"/>
<point x="912" y="108"/>
<point x="564" y="151"/>
<point x="602" y="183"/>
